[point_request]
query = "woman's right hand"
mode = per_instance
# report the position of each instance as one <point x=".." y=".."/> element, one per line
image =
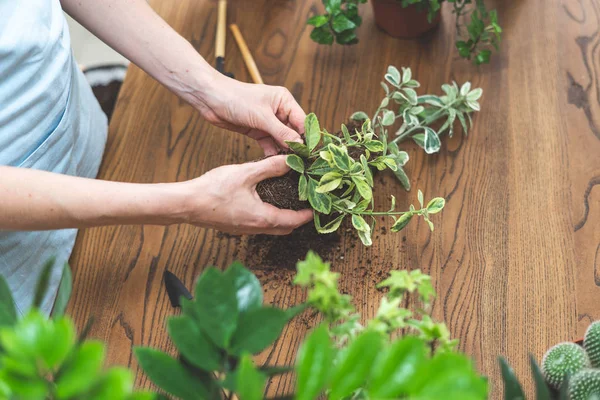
<point x="225" y="199"/>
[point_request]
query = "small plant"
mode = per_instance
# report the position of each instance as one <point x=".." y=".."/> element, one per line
<point x="477" y="38"/>
<point x="591" y="343"/>
<point x="227" y="323"/>
<point x="42" y="358"/>
<point x="563" y="360"/>
<point x="339" y="185"/>
<point x="585" y="385"/>
<point x="420" y="113"/>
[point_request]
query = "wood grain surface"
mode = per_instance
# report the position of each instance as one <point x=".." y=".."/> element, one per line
<point x="515" y="256"/>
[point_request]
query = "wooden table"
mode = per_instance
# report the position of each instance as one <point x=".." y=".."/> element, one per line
<point x="515" y="256"/>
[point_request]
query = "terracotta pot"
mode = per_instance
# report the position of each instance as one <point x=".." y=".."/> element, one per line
<point x="409" y="22"/>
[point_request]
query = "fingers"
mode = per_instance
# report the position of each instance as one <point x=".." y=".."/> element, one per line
<point x="290" y="111"/>
<point x="268" y="145"/>
<point x="280" y="132"/>
<point x="283" y="222"/>
<point x="268" y="168"/>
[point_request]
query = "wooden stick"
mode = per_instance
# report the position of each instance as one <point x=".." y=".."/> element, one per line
<point x="250" y="64"/>
<point x="221" y="29"/>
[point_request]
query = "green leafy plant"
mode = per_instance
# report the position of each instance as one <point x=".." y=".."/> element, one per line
<point x="419" y="114"/>
<point x="476" y="40"/>
<point x="226" y="324"/>
<point x="338" y="185"/>
<point x="42" y="358"/>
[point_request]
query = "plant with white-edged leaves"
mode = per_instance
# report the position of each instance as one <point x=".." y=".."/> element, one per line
<point x="419" y="114"/>
<point x="338" y="185"/>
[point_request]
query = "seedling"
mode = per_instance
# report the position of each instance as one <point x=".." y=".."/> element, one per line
<point x="340" y="185"/>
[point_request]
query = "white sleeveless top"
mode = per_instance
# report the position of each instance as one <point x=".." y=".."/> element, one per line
<point x="49" y="120"/>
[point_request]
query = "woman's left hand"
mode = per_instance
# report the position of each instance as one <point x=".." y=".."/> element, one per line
<point x="268" y="114"/>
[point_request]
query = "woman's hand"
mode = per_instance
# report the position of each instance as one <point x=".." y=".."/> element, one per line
<point x="225" y="198"/>
<point x="268" y="114"/>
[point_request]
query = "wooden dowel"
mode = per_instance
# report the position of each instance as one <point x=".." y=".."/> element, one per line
<point x="221" y="29"/>
<point x="250" y="64"/>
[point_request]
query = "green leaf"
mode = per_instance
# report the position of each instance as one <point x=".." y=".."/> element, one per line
<point x="388" y="118"/>
<point x="193" y="344"/>
<point x="168" y="374"/>
<point x="331" y="226"/>
<point x="436" y="205"/>
<point x="341" y="23"/>
<point x="317" y="20"/>
<point x="43" y="283"/>
<point x="406" y="75"/>
<point x="56" y="341"/>
<point x="313" y="364"/>
<point x="374" y="145"/>
<point x="116" y="383"/>
<point x="346" y="37"/>
<point x="411" y="95"/>
<point x="312" y="131"/>
<point x="512" y="386"/>
<point x="359" y="116"/>
<point x="322" y="35"/>
<point x="483" y="57"/>
<point x="354" y="365"/>
<point x="402" y="177"/>
<point x="216" y="306"/>
<point x="295" y="163"/>
<point x="64" y="292"/>
<point x="340" y="157"/>
<point x="257" y="329"/>
<point x="367" y="170"/>
<point x="81" y="372"/>
<point x="250" y="383"/>
<point x="402" y="222"/>
<point x="420" y="197"/>
<point x="393" y="75"/>
<point x="449" y="376"/>
<point x="461" y="118"/>
<point x="8" y="311"/>
<point x="330" y="181"/>
<point x="475" y="94"/>
<point x="365" y="237"/>
<point x="541" y="388"/>
<point x="432" y="141"/>
<point x="360" y="224"/>
<point x="419" y="139"/>
<point x="396" y="367"/>
<point x="299" y="148"/>
<point x="303" y="188"/>
<point x="363" y="187"/>
<point x="247" y="286"/>
<point x="332" y="6"/>
<point x="318" y="201"/>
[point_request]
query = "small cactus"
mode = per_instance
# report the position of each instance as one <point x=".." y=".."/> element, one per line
<point x="585" y="385"/>
<point x="591" y="343"/>
<point x="563" y="360"/>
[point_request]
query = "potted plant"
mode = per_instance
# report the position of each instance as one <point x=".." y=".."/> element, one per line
<point x="569" y="371"/>
<point x="412" y="18"/>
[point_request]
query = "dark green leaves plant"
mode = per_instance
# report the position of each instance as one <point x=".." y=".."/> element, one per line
<point x="338" y="185"/>
<point x="341" y="19"/>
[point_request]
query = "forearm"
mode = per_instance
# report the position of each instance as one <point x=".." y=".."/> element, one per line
<point x="136" y="31"/>
<point x="39" y="200"/>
